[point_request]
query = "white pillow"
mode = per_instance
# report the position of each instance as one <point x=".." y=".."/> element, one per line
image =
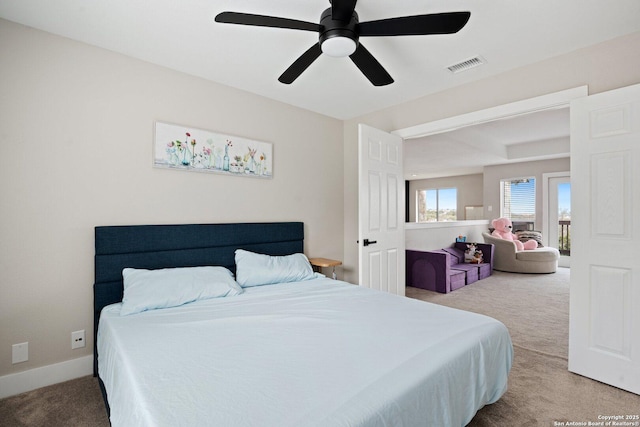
<point x="170" y="287"/>
<point x="254" y="269"/>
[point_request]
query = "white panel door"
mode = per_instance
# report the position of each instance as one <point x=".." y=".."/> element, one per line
<point x="604" y="334"/>
<point x="381" y="211"/>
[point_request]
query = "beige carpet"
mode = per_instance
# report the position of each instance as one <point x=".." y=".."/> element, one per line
<point x="542" y="392"/>
<point x="75" y="403"/>
<point x="535" y="307"/>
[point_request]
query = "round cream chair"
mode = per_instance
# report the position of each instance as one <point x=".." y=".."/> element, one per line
<point x="506" y="258"/>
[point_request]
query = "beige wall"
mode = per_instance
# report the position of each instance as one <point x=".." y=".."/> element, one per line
<point x="494" y="174"/>
<point x="468" y="189"/>
<point x="428" y="236"/>
<point x="76" y="129"/>
<point x="602" y="67"/>
<point x="484" y="189"/>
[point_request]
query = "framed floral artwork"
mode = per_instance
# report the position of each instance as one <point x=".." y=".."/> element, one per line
<point x="191" y="149"/>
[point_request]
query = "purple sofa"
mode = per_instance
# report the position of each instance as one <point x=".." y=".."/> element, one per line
<point x="444" y="270"/>
<point x="431" y="270"/>
<point x="488" y="250"/>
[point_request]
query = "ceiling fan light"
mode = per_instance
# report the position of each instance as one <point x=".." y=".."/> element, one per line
<point x="338" y="46"/>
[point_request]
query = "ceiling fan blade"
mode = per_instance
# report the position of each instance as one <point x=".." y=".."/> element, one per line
<point x="419" y="25"/>
<point x="342" y="10"/>
<point x="301" y="64"/>
<point x="265" y="21"/>
<point x="370" y="67"/>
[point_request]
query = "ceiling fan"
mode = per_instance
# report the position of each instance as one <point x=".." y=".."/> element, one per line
<point x="339" y="31"/>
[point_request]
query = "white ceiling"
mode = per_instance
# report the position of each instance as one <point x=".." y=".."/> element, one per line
<point x="535" y="136"/>
<point x="182" y="35"/>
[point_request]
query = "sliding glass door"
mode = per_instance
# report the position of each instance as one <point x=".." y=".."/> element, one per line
<point x="559" y="202"/>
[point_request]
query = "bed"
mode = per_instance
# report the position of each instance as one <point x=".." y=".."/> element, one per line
<point x="306" y="350"/>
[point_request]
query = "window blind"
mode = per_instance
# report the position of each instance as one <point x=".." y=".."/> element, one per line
<point x="519" y="199"/>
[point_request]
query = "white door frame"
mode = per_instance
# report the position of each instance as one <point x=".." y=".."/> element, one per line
<point x="550" y="101"/>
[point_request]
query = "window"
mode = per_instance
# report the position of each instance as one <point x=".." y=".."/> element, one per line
<point x="518" y="200"/>
<point x="439" y="204"/>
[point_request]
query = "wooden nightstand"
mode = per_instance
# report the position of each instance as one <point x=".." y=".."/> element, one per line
<point x="317" y="263"/>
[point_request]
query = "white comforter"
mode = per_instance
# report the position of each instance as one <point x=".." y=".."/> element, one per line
<point x="315" y="353"/>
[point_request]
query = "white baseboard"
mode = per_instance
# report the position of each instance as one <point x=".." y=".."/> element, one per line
<point x="32" y="379"/>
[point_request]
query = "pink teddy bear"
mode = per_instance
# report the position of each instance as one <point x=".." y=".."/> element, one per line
<point x="503" y="229"/>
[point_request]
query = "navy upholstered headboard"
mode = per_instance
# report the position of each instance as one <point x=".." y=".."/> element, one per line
<point x="188" y="245"/>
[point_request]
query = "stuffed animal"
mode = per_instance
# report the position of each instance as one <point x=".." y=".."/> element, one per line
<point x="503" y="229"/>
<point x="469" y="254"/>
<point x="477" y="257"/>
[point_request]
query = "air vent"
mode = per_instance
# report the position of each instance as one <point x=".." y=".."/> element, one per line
<point x="465" y="65"/>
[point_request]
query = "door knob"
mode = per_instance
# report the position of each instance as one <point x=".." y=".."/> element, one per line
<point x="368" y="242"/>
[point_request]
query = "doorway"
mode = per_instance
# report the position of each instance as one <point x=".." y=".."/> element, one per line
<point x="557" y="218"/>
<point x="545" y="102"/>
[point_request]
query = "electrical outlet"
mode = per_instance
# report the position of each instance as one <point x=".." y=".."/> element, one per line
<point x="77" y="339"/>
<point x="20" y="352"/>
